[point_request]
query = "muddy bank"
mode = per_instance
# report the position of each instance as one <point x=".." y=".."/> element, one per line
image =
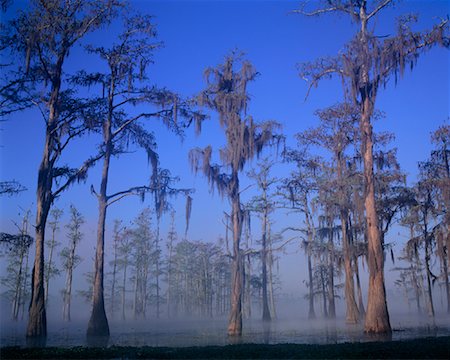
<point x="423" y="348"/>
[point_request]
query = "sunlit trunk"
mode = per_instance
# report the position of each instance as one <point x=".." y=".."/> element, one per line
<point x="377" y="316"/>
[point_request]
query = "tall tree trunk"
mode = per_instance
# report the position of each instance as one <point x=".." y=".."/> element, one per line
<point x="377" y="316"/>
<point x="235" y="318"/>
<point x="37" y="321"/>
<point x="98" y="322"/>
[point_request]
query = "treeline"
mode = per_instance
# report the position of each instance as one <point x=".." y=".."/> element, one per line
<point x="348" y="199"/>
<point x="145" y="277"/>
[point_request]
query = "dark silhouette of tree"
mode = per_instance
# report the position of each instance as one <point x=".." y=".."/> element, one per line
<point x="226" y="93"/>
<point x="44" y="35"/>
<point x="124" y="85"/>
<point x="367" y="63"/>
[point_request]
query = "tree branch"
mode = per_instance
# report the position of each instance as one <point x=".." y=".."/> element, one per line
<point x="382" y="5"/>
<point x="80" y="174"/>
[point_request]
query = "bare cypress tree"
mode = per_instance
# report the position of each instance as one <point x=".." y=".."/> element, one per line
<point x="171" y="239"/>
<point x="368" y="62"/>
<point x="226" y="93"/>
<point x="265" y="205"/>
<point x="44" y="35"/>
<point x="117" y="235"/>
<point x="70" y="260"/>
<point x="51" y="269"/>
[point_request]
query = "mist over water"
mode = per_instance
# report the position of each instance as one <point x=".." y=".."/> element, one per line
<point x="291" y="326"/>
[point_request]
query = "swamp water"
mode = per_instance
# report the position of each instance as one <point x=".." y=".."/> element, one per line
<point x="188" y="332"/>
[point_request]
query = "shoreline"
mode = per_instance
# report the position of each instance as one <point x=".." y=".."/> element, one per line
<point x="419" y="348"/>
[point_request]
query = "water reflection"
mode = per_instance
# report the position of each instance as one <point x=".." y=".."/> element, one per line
<point x="34" y="342"/>
<point x="189" y="332"/>
<point x="97" y="341"/>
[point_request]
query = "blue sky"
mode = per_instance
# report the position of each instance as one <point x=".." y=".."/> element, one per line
<point x="198" y="34"/>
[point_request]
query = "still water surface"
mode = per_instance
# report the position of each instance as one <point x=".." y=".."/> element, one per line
<point x="152" y="332"/>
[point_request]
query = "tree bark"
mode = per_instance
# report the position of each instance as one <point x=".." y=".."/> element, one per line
<point x="235" y="318"/>
<point x="37" y="321"/>
<point x="98" y="322"/>
<point x="377" y="316"/>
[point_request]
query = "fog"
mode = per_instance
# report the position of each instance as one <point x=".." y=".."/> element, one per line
<point x="290" y="326"/>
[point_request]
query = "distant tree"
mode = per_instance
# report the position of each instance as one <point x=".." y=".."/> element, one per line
<point x="336" y="133"/>
<point x="43" y="36"/>
<point x="17" y="249"/>
<point x="367" y="63"/>
<point x="142" y="258"/>
<point x="226" y="93"/>
<point x="51" y="269"/>
<point x="171" y="239"/>
<point x="124" y="251"/>
<point x="264" y="204"/>
<point x="299" y="191"/>
<point x="118" y="230"/>
<point x="436" y="172"/>
<point x="70" y="260"/>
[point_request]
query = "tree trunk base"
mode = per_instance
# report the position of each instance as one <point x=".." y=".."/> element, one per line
<point x="37" y="323"/>
<point x="98" y="324"/>
<point x="235" y="327"/>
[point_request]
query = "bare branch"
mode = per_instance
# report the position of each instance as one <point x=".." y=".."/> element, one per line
<point x="381" y="6"/>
